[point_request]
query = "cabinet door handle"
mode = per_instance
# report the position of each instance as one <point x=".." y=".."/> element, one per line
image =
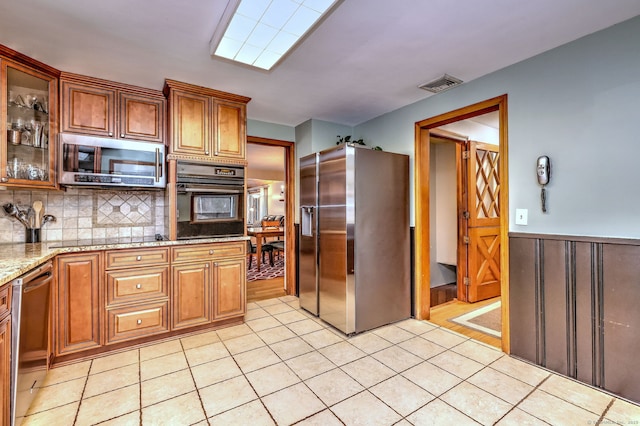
<point x="111" y="134"/>
<point x="139" y="321"/>
<point x="206" y="266"/>
<point x="122" y="135"/>
<point x="139" y="258"/>
<point x="138" y="285"/>
<point x="206" y="153"/>
<point x="4" y="179"/>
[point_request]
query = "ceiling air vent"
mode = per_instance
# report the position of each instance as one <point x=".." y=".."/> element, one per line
<point x="441" y="84"/>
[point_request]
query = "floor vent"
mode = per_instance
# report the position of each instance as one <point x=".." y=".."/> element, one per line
<point x="441" y="84"/>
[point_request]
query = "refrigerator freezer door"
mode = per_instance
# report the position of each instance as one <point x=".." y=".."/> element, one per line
<point x="308" y="247"/>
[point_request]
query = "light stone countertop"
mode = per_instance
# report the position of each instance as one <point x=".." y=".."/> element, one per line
<point x="19" y="258"/>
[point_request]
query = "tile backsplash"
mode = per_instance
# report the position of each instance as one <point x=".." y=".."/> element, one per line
<point x="88" y="213"/>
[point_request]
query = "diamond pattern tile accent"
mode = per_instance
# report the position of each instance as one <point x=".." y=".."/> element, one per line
<point x="122" y="208"/>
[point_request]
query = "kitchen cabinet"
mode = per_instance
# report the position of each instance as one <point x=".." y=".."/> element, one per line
<point x="191" y="293"/>
<point x="77" y="302"/>
<point x="206" y="124"/>
<point x="229" y="288"/>
<point x="103" y="108"/>
<point x="5" y="355"/>
<point x="28" y="122"/>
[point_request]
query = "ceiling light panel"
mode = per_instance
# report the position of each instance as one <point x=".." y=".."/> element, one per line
<point x="260" y="32"/>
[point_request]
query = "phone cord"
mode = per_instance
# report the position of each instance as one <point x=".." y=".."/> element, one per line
<point x="543" y="198"/>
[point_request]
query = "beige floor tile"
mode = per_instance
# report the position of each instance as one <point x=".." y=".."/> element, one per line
<point x="131" y="419"/>
<point x="163" y="365"/>
<point x="292" y="404"/>
<point x="253" y="314"/>
<point x="63" y="415"/>
<point x="268" y="302"/>
<point x="234" y="331"/>
<point x="623" y="412"/>
<point x="397" y="358"/>
<point x="369" y="342"/>
<point x="279" y="308"/>
<point x="276" y="334"/>
<point x="109" y="405"/>
<point x="414" y="326"/>
<point x="478" y="352"/>
<point x="556" y="411"/>
<point x="252" y="305"/>
<point x="334" y="386"/>
<point x="243" y="343"/>
<point x="476" y="403"/>
<point x="112" y="380"/>
<point x="444" y="338"/>
<point x="310" y="365"/>
<point x="252" y="413"/>
<point x="520" y="370"/>
<point x="438" y="413"/>
<point x="342" y="353"/>
<point x="576" y="393"/>
<point x="500" y="385"/>
<point x="183" y="410"/>
<point x="215" y="371"/>
<point x="67" y="372"/>
<point x="393" y="333"/>
<point x="431" y="378"/>
<point x="368" y="371"/>
<point x="423" y="348"/>
<point x="321" y="338"/>
<point x="57" y="395"/>
<point x="290" y="316"/>
<point x="456" y="364"/>
<point x="207" y="353"/>
<point x="288" y="298"/>
<point x="291" y="348"/>
<point x="110" y="362"/>
<point x="401" y="394"/>
<point x="517" y="417"/>
<point x="323" y="418"/>
<point x="294" y="304"/>
<point x="365" y="409"/>
<point x="160" y="349"/>
<point x="304" y="327"/>
<point x="271" y="379"/>
<point x="166" y="387"/>
<point x="201" y="339"/>
<point x="256" y="359"/>
<point x="263" y="323"/>
<point x="226" y="395"/>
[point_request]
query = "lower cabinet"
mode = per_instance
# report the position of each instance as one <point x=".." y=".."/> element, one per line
<point x="191" y="292"/>
<point x="229" y="288"/>
<point x="5" y="369"/>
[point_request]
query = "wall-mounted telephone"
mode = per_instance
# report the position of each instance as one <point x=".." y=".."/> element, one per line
<point x="543" y="171"/>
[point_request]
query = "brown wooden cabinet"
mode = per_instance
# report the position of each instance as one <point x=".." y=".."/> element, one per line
<point x="103" y="108"/>
<point x="229" y="288"/>
<point x="78" y="307"/>
<point x="206" y="124"/>
<point x="191" y="294"/>
<point x="5" y="356"/>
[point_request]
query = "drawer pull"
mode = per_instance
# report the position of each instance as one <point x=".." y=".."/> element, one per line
<point x="138" y="285"/>
<point x="210" y="251"/>
<point x="139" y="258"/>
<point x="139" y="321"/>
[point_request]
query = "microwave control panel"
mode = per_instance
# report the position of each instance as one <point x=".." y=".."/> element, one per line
<point x="113" y="180"/>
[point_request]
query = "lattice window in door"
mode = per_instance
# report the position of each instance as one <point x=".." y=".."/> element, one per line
<point x="487" y="184"/>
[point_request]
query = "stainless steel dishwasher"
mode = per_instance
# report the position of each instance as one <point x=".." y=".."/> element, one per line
<point x="29" y="337"/>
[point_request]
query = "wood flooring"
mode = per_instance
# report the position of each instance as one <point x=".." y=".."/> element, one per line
<point x="441" y="313"/>
<point x="265" y="289"/>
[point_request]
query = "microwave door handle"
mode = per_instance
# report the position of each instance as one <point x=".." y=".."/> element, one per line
<point x="158" y="171"/>
<point x="214" y="191"/>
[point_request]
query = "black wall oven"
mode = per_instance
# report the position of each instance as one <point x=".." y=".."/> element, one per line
<point x="210" y="200"/>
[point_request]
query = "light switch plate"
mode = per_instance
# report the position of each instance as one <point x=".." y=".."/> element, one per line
<point x="522" y="216"/>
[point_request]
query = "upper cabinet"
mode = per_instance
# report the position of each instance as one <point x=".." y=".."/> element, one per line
<point x="206" y="124"/>
<point x="104" y="108"/>
<point x="29" y="123"/>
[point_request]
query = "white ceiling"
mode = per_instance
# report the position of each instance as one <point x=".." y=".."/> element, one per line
<point x="365" y="59"/>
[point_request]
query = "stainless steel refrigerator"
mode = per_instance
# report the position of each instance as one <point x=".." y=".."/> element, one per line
<point x="354" y="253"/>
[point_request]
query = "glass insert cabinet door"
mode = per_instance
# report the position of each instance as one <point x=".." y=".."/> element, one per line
<point x="29" y="105"/>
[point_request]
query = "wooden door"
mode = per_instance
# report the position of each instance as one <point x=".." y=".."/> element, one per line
<point x="230" y="129"/>
<point x="229" y="288"/>
<point x="190" y="132"/>
<point x="141" y="117"/>
<point x="88" y="109"/>
<point x="483" y="224"/>
<point x="191" y="294"/>
<point x="78" y="303"/>
<point x="5" y="370"/>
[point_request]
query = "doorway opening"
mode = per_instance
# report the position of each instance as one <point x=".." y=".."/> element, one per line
<point x="461" y="235"/>
<point x="270" y="210"/>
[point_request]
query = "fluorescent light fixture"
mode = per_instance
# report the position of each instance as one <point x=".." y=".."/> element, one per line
<point x="260" y="32"/>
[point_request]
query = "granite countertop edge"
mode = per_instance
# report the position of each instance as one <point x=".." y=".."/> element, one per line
<point x="17" y="259"/>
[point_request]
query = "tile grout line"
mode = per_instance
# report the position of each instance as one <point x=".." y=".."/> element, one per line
<point x="195" y="385"/>
<point x="84" y="388"/>
<point x="524" y="398"/>
<point x="604" y="413"/>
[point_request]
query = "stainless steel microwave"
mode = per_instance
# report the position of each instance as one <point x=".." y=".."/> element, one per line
<point x="104" y="162"/>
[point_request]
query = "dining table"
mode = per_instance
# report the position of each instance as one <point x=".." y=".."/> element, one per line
<point x="260" y="233"/>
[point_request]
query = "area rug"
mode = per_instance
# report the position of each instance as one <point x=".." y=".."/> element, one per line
<point x="487" y="320"/>
<point x="267" y="271"/>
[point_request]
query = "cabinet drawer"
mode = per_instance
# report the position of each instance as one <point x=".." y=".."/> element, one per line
<point x="136" y="321"/>
<point x="136" y="285"/>
<point x="5" y="300"/>
<point x="136" y="257"/>
<point x="207" y="251"/>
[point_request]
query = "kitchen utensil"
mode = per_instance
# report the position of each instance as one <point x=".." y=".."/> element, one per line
<point x="48" y="218"/>
<point x="14" y="136"/>
<point x="10" y="209"/>
<point x="37" y="213"/>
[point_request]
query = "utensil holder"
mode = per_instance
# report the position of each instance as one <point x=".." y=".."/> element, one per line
<point x="33" y="235"/>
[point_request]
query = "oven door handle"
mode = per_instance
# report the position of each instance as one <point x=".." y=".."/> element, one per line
<point x="212" y="190"/>
<point x="38" y="282"/>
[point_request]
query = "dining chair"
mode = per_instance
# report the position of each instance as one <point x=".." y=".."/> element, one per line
<point x="251" y="250"/>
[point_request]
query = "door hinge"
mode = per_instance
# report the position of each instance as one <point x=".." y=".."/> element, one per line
<point x="466" y="215"/>
<point x="465" y="239"/>
<point x="466" y="280"/>
<point x="466" y="155"/>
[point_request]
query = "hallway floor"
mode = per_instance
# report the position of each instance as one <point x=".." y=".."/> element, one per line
<point x="284" y="367"/>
